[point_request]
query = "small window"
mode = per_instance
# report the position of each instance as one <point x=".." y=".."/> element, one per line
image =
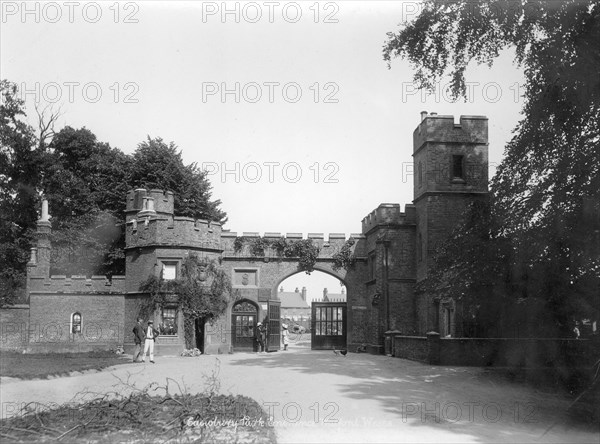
<point x="168" y="324"/>
<point x="169" y="270"/>
<point x="372" y="267"/>
<point x="457" y="167"/>
<point x="76" y="322"/>
<point x="420" y="174"/>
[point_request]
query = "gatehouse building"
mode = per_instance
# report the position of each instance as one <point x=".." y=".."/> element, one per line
<point x="393" y="252"/>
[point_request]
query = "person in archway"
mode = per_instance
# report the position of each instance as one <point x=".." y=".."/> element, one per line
<point x="259" y="337"/>
<point x="285" y="336"/>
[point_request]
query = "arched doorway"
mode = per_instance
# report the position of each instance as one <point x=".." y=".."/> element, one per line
<point x="200" y="325"/>
<point x="244" y="316"/>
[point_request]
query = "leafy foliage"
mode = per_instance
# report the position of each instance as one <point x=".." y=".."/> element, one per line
<point x="543" y="237"/>
<point x="202" y="291"/>
<point x="20" y="162"/>
<point x="85" y="182"/>
<point x="304" y="249"/>
<point x="345" y="258"/>
<point x="157" y="164"/>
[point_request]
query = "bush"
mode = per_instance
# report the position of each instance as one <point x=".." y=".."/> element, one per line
<point x="191" y="352"/>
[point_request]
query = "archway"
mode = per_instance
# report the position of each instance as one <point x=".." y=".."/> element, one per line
<point x="302" y="298"/>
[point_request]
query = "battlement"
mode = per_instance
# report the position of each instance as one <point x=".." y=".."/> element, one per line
<point x="76" y="284"/>
<point x="435" y="128"/>
<point x="389" y="214"/>
<point x="155" y="230"/>
<point x="149" y="202"/>
<point x="327" y="245"/>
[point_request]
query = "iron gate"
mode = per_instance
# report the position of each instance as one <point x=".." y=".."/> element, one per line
<point x="328" y="325"/>
<point x="274" y="326"/>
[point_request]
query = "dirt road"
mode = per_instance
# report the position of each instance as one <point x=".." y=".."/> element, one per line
<point x="316" y="396"/>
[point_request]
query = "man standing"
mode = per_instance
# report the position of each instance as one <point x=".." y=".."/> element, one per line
<point x="151" y="334"/>
<point x="258" y="335"/>
<point x="139" y="338"/>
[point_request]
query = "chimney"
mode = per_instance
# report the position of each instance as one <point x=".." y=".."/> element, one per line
<point x="281" y="289"/>
<point x="304" y="294"/>
<point x="343" y="290"/>
<point x="296" y="290"/>
<point x="433" y="114"/>
<point x="325" y="298"/>
<point x="423" y="115"/>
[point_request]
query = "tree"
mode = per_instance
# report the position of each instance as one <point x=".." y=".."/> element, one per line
<point x="20" y="160"/>
<point x="86" y="182"/>
<point x="547" y="188"/>
<point x="86" y="186"/>
<point x="160" y="165"/>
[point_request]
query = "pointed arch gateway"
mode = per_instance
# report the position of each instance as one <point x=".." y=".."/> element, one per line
<point x="257" y="275"/>
<point x="327" y="321"/>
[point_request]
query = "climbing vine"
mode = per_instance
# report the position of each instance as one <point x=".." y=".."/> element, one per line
<point x="203" y="291"/>
<point x="344" y="258"/>
<point x="304" y="249"/>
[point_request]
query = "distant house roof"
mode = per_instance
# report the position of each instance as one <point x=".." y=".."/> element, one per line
<point x="292" y="300"/>
<point x="338" y="297"/>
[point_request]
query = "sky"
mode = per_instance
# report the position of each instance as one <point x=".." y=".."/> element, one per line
<point x="288" y="106"/>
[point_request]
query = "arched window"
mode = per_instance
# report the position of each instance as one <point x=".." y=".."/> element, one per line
<point x="76" y="322"/>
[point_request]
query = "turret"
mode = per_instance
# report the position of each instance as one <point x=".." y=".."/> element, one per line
<point x="39" y="262"/>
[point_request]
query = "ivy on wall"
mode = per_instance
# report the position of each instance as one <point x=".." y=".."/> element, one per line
<point x="202" y="291"/>
<point x="344" y="258"/>
<point x="304" y="249"/>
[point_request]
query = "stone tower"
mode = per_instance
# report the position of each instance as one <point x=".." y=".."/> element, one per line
<point x="451" y="171"/>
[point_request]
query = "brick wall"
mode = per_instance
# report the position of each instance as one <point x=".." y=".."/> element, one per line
<point x="14" y="327"/>
<point x="498" y="352"/>
<point x="414" y="348"/>
<point x="80" y="284"/>
<point x="50" y="322"/>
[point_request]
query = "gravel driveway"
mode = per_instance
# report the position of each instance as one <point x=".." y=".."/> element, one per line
<point x="316" y="396"/>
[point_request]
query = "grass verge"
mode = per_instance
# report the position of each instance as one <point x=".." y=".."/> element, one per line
<point x="32" y="366"/>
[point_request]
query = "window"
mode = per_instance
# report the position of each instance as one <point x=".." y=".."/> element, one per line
<point x="329" y="321"/>
<point x="447" y="327"/>
<point x="457" y="167"/>
<point x="168" y="324"/>
<point x="372" y="266"/>
<point x="76" y="322"/>
<point x="169" y="270"/>
<point x="420" y="174"/>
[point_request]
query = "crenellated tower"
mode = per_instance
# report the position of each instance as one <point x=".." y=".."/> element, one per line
<point x="451" y="171"/>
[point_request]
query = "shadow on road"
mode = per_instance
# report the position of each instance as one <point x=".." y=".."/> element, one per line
<point x="466" y="400"/>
